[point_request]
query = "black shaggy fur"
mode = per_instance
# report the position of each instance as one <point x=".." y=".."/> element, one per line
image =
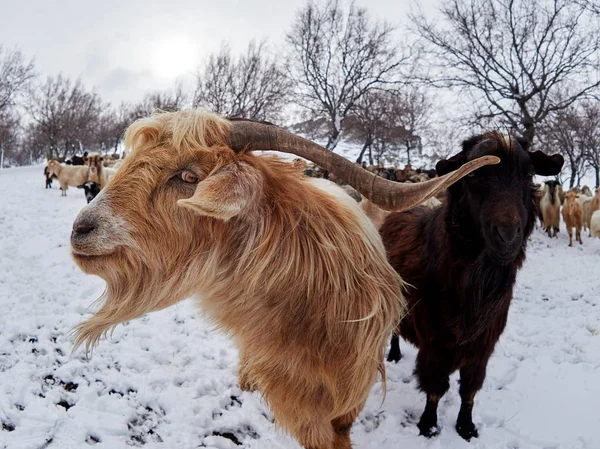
<point x="49" y="178"/>
<point x="461" y="261"/>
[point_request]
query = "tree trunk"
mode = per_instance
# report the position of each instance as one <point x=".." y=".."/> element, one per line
<point x="366" y="145"/>
<point x="573" y="176"/>
<point x="408" y="152"/>
<point x="528" y="125"/>
<point x="334" y="136"/>
<point x="597" y="172"/>
<point x="370" y="156"/>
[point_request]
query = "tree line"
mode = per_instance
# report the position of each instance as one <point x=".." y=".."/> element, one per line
<point x="528" y="66"/>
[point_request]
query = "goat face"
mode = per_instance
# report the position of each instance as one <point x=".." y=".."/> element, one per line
<point x="164" y="218"/>
<point x="95" y="162"/>
<point x="496" y="205"/>
<point x="553" y="190"/>
<point x="91" y="190"/>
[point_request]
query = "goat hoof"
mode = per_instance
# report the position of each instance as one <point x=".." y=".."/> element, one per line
<point x="428" y="426"/>
<point x="428" y="431"/>
<point x="467" y="430"/>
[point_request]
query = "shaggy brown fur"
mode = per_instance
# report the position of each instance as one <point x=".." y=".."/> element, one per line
<point x="298" y="276"/>
<point x="460" y="261"/>
<point x="573" y="215"/>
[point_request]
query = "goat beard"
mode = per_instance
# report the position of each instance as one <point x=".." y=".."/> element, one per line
<point x="133" y="288"/>
<point x="483" y="293"/>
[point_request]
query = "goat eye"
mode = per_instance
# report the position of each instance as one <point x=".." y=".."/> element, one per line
<point x="471" y="175"/>
<point x="189" y="177"/>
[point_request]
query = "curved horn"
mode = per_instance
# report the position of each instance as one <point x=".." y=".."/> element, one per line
<point x="389" y="195"/>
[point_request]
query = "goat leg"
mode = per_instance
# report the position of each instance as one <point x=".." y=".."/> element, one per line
<point x="471" y="381"/>
<point x="433" y="372"/>
<point x="428" y="423"/>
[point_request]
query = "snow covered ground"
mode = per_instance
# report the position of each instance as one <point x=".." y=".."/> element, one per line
<point x="169" y="380"/>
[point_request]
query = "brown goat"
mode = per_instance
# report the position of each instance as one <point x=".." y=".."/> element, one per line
<point x="573" y="215"/>
<point x="98" y="172"/>
<point x="289" y="266"/>
<point x="460" y="261"/>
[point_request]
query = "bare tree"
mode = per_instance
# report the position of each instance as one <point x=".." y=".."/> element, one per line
<point x="412" y="112"/>
<point x="590" y="136"/>
<point x="167" y="101"/>
<point x="15" y="73"/>
<point x="9" y="136"/>
<point x="371" y="114"/>
<point x="390" y="121"/>
<point x="521" y="59"/>
<point x="336" y="57"/>
<point x="593" y="6"/>
<point x="562" y="132"/>
<point x="112" y="124"/>
<point x="65" y="113"/>
<point x="251" y="86"/>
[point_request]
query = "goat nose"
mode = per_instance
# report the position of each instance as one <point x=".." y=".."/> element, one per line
<point x="83" y="228"/>
<point x="508" y="234"/>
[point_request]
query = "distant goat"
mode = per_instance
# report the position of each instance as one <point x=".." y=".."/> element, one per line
<point x="78" y="160"/>
<point x="68" y="175"/>
<point x="48" y="177"/>
<point x="592" y="207"/>
<point x="585" y="201"/>
<point x="91" y="190"/>
<point x="460" y="262"/>
<point x="550" y="205"/>
<point x="289" y="266"/>
<point x="573" y="215"/>
<point x="595" y="224"/>
<point x="98" y="173"/>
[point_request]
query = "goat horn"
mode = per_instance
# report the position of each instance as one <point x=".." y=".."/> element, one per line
<point x="389" y="195"/>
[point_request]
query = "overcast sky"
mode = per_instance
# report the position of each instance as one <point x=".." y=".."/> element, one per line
<point x="126" y="48"/>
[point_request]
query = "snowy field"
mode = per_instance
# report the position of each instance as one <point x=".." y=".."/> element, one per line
<point x="168" y="380"/>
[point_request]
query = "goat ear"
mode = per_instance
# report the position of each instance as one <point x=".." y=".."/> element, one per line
<point x="545" y="165"/>
<point x="227" y="193"/>
<point x="445" y="166"/>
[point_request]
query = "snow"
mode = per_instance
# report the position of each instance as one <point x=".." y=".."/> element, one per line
<point x="168" y="380"/>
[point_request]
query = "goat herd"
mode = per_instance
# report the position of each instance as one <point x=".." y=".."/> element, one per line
<point x="88" y="172"/>
<point x="580" y="210"/>
<point x="310" y="282"/>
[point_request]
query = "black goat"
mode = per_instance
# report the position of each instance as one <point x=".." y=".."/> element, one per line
<point x="78" y="160"/>
<point x="461" y="261"/>
<point x="91" y="189"/>
<point x="49" y="178"/>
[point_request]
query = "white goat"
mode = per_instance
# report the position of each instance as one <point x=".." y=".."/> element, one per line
<point x="68" y="175"/>
<point x="550" y="206"/>
<point x="595" y="224"/>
